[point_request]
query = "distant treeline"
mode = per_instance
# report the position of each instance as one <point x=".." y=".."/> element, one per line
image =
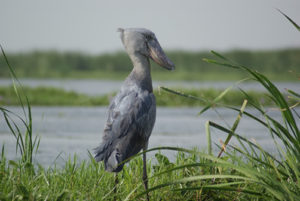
<point x="52" y="64"/>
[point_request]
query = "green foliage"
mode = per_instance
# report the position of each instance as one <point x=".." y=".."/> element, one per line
<point x="189" y="65"/>
<point x="47" y="96"/>
<point x="89" y="181"/>
<point x="24" y="141"/>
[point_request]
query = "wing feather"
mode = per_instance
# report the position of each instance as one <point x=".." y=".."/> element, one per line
<point x="130" y="121"/>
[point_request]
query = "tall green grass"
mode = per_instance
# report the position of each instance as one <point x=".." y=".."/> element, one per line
<point x="25" y="144"/>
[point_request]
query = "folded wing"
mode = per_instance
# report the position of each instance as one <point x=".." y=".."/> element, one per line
<point x="130" y="121"/>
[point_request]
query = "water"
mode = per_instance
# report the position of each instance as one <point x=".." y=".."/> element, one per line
<point x="66" y="131"/>
<point x="100" y="87"/>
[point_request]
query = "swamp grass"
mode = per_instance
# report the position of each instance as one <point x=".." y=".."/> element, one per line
<point x="48" y="96"/>
<point x="89" y="180"/>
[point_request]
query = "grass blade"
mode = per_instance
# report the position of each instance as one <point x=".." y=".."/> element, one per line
<point x="289" y="19"/>
<point x="208" y="136"/>
<point x="236" y="123"/>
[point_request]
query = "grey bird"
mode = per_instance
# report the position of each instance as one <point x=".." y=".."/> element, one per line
<point x="132" y="112"/>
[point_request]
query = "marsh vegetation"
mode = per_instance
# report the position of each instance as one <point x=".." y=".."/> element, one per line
<point x="276" y="64"/>
<point x="48" y="96"/>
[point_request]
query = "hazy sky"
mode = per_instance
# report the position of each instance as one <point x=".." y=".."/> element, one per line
<point x="90" y="25"/>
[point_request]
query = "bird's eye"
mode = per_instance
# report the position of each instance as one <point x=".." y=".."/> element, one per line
<point x="148" y="37"/>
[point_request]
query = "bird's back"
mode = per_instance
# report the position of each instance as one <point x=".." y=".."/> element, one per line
<point x="131" y="118"/>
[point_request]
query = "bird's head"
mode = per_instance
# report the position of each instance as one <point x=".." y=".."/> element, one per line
<point x="143" y="41"/>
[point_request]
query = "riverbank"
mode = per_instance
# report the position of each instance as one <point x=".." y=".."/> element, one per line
<point x="50" y="96"/>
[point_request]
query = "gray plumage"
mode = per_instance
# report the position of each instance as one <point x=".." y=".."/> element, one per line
<point x="130" y="121"/>
<point x="132" y="112"/>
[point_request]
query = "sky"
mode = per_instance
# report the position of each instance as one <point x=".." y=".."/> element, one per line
<point x="90" y="26"/>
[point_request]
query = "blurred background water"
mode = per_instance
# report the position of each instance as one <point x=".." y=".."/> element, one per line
<point x="94" y="87"/>
<point x="65" y="131"/>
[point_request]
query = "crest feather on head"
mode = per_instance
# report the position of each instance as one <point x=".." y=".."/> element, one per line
<point x="120" y="30"/>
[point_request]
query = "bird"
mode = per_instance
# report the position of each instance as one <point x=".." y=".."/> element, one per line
<point x="132" y="112"/>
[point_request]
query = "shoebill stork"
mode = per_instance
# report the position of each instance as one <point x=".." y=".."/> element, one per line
<point x="132" y="112"/>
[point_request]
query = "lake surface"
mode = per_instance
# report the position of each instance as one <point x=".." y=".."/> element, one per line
<point x="65" y="131"/>
<point x="100" y="87"/>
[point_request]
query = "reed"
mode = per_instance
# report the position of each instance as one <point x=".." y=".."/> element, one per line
<point x="247" y="169"/>
<point x="25" y="143"/>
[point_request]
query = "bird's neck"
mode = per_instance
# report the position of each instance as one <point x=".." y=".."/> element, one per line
<point x="141" y="73"/>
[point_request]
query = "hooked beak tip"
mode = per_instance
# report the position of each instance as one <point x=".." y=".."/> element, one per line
<point x="171" y="67"/>
<point x="168" y="64"/>
<point x="158" y="56"/>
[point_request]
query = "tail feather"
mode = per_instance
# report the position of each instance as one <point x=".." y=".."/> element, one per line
<point x="113" y="154"/>
<point x="111" y="160"/>
<point x="99" y="153"/>
<point x="113" y="163"/>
